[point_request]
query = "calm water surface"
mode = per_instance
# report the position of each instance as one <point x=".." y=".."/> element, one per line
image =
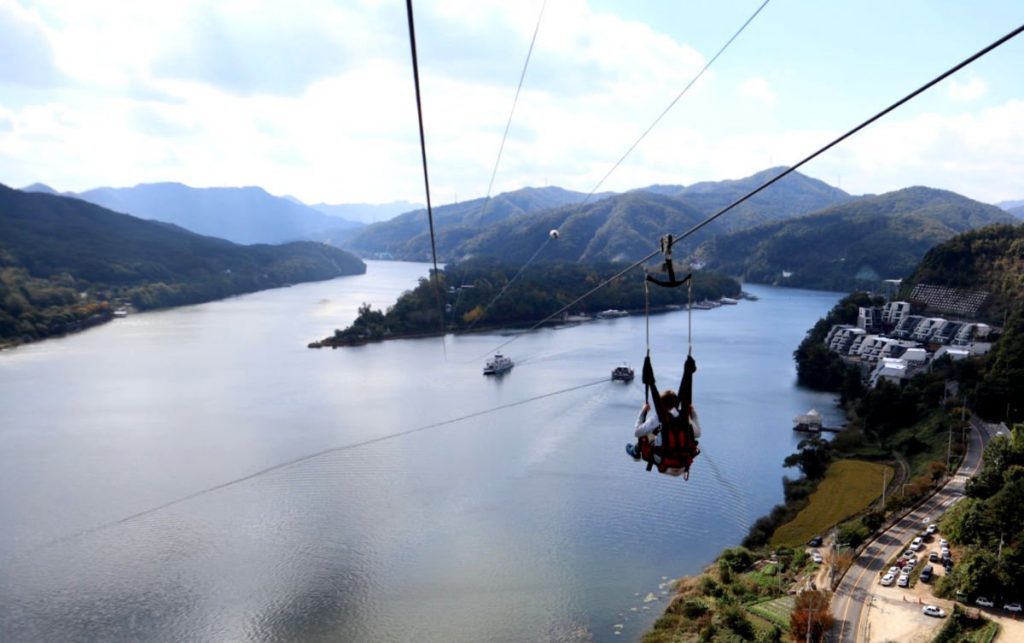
<point x="525" y="524"/>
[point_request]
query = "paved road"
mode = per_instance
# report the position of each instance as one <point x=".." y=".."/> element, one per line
<point x="857" y="587"/>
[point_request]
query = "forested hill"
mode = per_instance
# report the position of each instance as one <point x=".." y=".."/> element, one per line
<point x="407" y="235"/>
<point x="54" y="248"/>
<point x="471" y="298"/>
<point x="795" y="195"/>
<point x="623" y="227"/>
<point x="989" y="259"/>
<point x="625" y="223"/>
<point x="849" y="246"/>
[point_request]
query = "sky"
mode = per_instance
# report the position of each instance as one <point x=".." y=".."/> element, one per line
<point x="315" y="98"/>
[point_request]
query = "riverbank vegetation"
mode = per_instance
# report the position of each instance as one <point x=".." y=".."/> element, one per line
<point x="65" y="263"/>
<point x="467" y="297"/>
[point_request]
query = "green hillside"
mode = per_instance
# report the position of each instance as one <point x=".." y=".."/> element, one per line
<point x="849" y="246"/>
<point x="407" y="236"/>
<point x="62" y="260"/>
<point x="989" y="259"/>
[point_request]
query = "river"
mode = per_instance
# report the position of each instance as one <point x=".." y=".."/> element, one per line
<point x="129" y="509"/>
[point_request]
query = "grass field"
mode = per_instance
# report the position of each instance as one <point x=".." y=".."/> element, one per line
<point x="849" y="486"/>
<point x="776" y="610"/>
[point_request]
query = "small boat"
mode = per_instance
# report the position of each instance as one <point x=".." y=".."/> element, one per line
<point x="611" y="313"/>
<point x="728" y="301"/>
<point x="498" y="364"/>
<point x="622" y="374"/>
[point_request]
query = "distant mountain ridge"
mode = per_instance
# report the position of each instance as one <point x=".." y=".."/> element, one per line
<point x="367" y="212"/>
<point x="243" y="215"/>
<point x="407" y="236"/>
<point x="851" y="245"/>
<point x="55" y="247"/>
<point x="608" y="227"/>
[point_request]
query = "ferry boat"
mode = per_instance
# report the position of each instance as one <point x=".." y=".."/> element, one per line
<point x="622" y="374"/>
<point x="498" y="364"/>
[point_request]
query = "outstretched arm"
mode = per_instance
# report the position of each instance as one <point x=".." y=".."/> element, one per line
<point x="648" y="379"/>
<point x="686" y="385"/>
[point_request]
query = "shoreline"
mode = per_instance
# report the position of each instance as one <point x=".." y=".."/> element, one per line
<point x="571" y="320"/>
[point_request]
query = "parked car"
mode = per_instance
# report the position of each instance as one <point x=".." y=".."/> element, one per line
<point x="933" y="557"/>
<point x="894" y="570"/>
<point x="887" y="580"/>
<point x="1012" y="607"/>
<point x="904" y="580"/>
<point x="933" y="610"/>
<point x="917" y="544"/>
<point x="984" y="602"/>
<point x="926" y="573"/>
<point x="815" y="542"/>
<point x="943" y="543"/>
<point x="816" y="557"/>
<point x="931" y="529"/>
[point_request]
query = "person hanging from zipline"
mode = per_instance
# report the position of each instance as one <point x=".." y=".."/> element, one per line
<point x="669" y="439"/>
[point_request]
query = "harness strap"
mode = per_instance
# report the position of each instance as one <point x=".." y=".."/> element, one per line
<point x="671" y="282"/>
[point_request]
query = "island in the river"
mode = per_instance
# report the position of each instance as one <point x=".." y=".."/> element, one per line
<point x="480" y="294"/>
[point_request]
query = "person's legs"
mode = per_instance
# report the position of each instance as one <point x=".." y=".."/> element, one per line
<point x="633" y="451"/>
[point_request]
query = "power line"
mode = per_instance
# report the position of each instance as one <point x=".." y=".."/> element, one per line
<point x="497" y="161"/>
<point x="675" y="100"/>
<point x="312" y="456"/>
<point x="508" y="124"/>
<point x="676" y="238"/>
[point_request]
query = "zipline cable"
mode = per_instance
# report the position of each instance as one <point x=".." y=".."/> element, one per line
<point x="676" y="238"/>
<point x="508" y="124"/>
<point x="312" y="456"/>
<point x="509" y="283"/>
<point x="426" y="178"/>
<point x="674" y="101"/>
<point x="494" y="172"/>
<point x="628" y="151"/>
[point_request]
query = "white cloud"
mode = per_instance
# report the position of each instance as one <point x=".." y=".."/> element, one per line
<point x="758" y="89"/>
<point x="26" y="56"/>
<point x="344" y="129"/>
<point x="971" y="89"/>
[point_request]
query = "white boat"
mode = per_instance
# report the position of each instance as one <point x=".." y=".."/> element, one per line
<point x="498" y="364"/>
<point x="611" y="313"/>
<point x="728" y="301"/>
<point x="622" y="373"/>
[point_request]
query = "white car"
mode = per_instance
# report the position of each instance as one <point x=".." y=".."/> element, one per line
<point x="1012" y="607"/>
<point x="984" y="602"/>
<point x="887" y="580"/>
<point x="933" y="610"/>
<point x="816" y="557"/>
<point x="904" y="580"/>
<point x="932" y="528"/>
<point x="943" y="543"/>
<point x="917" y="544"/>
<point x="894" y="570"/>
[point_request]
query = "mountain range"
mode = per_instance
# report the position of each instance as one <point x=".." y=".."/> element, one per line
<point x="853" y="245"/>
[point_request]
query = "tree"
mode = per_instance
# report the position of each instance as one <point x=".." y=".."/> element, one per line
<point x="812" y="458"/>
<point x="811" y="614"/>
